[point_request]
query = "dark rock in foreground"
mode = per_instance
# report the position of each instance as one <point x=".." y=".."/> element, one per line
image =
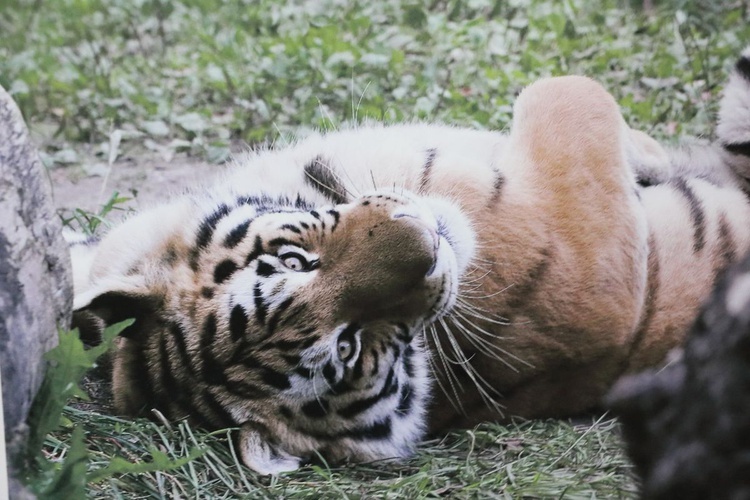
<point x="687" y="426"/>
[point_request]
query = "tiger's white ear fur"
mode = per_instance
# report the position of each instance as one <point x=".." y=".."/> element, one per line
<point x="259" y="454"/>
<point x="132" y="286"/>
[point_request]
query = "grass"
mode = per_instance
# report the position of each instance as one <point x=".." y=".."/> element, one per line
<point x="106" y="79"/>
<point x="544" y="459"/>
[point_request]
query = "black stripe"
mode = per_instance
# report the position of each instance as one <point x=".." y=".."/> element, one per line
<point x="329" y="372"/>
<point x="384" y="345"/>
<point x="405" y="400"/>
<point x="375" y="431"/>
<point x="141" y="379"/>
<point x="375" y="363"/>
<point x="276" y="379"/>
<point x="237" y="322"/>
<point x="310" y="341"/>
<point x="222" y="418"/>
<point x="265" y="269"/>
<point x="236" y="235"/>
<point x="224" y="270"/>
<point x="292" y="228"/>
<point x="408" y="362"/>
<point x="336" y="216"/>
<point x="304" y="372"/>
<point x="291" y="359"/>
<point x="178" y="334"/>
<point x="284" y="345"/>
<point x="390" y="381"/>
<point x="726" y="242"/>
<point x="261" y="309"/>
<point x="207" y="227"/>
<point x="212" y="371"/>
<point x="396" y="348"/>
<point x="245" y="390"/>
<point x="277" y="314"/>
<point x="378" y="430"/>
<point x="350" y="330"/>
<point x="404" y="334"/>
<point x="738" y="148"/>
<point x="317" y="408"/>
<point x="726" y="248"/>
<point x="168" y="382"/>
<point x="286" y="412"/>
<point x="277" y="242"/>
<point x="427" y="170"/>
<point x="256" y="251"/>
<point x="321" y="177"/>
<point x="246" y="358"/>
<point x="174" y="397"/>
<point x="652" y="293"/>
<point x="497" y="187"/>
<point x="696" y="213"/>
<point x="205" y="231"/>
<point x="209" y="331"/>
<point x="359" y="406"/>
<point x="743" y="67"/>
<point x="357" y="370"/>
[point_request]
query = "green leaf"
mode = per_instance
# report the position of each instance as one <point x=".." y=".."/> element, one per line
<point x="68" y="362"/>
<point x="69" y="480"/>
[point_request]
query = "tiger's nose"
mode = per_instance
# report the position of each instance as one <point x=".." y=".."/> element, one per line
<point x="428" y="225"/>
<point x="385" y="252"/>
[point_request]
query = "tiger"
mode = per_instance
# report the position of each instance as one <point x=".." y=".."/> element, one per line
<point x="344" y="295"/>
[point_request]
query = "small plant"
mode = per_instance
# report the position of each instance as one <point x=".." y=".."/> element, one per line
<point x="62" y="470"/>
<point x="89" y="222"/>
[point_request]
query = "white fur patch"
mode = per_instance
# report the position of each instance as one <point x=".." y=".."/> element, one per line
<point x="738" y="297"/>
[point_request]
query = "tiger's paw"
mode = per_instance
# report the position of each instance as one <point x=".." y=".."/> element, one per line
<point x="261" y="455"/>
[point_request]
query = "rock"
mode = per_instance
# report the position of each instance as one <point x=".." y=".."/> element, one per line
<point x="687" y="427"/>
<point x="35" y="280"/>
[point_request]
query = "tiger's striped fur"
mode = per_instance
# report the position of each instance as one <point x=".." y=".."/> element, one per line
<point x="526" y="272"/>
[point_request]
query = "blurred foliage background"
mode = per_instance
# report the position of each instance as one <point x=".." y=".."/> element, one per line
<point x="198" y="75"/>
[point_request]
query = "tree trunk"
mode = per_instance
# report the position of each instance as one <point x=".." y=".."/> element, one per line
<point x="35" y="281"/>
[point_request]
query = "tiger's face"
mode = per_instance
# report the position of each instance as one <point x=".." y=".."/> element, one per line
<point x="301" y="325"/>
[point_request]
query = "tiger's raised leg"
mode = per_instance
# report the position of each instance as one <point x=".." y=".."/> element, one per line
<point x="568" y="247"/>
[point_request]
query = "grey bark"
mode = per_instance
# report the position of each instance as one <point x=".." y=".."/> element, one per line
<point x="35" y="280"/>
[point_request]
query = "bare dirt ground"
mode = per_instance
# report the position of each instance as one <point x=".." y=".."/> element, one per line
<point x="146" y="178"/>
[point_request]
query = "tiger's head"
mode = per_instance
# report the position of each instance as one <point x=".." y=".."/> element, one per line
<point x="301" y="325"/>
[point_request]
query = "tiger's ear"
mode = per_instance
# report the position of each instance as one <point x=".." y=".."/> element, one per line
<point x="111" y="301"/>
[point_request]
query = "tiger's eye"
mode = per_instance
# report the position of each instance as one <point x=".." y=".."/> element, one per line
<point x="294" y="263"/>
<point x="345" y="349"/>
